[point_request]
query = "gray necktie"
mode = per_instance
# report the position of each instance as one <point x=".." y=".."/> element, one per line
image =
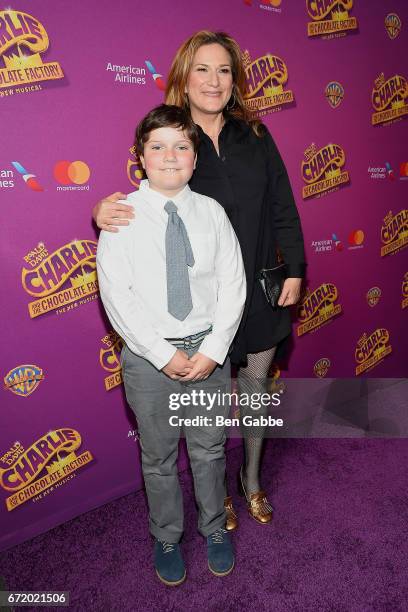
<point x="178" y="256"/>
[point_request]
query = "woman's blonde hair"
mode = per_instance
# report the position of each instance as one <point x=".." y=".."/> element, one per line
<point x="181" y="66"/>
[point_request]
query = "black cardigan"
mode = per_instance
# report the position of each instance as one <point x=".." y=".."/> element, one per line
<point x="250" y="181"/>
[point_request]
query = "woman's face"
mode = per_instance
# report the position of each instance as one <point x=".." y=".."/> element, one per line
<point x="209" y="84"/>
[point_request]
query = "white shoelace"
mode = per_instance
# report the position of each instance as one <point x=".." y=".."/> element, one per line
<point x="167" y="547"/>
<point x="218" y="536"/>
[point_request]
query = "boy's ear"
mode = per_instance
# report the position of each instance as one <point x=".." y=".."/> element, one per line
<point x="142" y="161"/>
<point x="195" y="161"/>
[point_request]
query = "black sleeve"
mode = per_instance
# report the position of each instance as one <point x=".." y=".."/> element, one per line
<point x="286" y="221"/>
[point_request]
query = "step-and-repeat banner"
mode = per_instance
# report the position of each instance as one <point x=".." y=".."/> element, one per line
<point x="328" y="77"/>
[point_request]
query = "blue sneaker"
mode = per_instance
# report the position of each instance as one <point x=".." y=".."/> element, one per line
<point x="220" y="553"/>
<point x="169" y="563"/>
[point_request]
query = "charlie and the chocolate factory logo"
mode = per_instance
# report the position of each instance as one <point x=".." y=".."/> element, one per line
<point x="323" y="170"/>
<point x="317" y="307"/>
<point x="60" y="280"/>
<point x="394" y="232"/>
<point x="109" y="358"/>
<point x="389" y="98"/>
<point x="372" y="349"/>
<point x="49" y="463"/>
<point x="22" y="40"/>
<point x="134" y="168"/>
<point x="266" y="78"/>
<point x="330" y="17"/>
<point x="404" y="290"/>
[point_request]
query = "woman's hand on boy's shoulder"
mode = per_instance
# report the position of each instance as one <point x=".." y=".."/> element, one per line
<point x="109" y="213"/>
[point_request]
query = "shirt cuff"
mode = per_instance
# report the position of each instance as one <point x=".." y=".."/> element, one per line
<point x="295" y="270"/>
<point x="214" y="348"/>
<point x="160" y="353"/>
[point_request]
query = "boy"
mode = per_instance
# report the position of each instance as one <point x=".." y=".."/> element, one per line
<point x="173" y="286"/>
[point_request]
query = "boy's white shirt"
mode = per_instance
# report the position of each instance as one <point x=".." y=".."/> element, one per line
<point x="131" y="268"/>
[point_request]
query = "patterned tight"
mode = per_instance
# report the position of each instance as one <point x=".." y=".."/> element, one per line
<point x="253" y="379"/>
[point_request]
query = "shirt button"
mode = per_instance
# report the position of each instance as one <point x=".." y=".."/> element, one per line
<point x="223" y="158"/>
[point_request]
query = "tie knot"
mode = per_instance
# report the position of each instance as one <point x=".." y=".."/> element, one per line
<point x="170" y="207"/>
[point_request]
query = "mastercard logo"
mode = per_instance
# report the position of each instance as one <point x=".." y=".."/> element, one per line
<point x="404" y="169"/>
<point x="71" y="173"/>
<point x="356" y="237"/>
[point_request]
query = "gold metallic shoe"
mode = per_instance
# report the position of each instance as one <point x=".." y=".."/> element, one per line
<point x="258" y="506"/>
<point x="232" y="518"/>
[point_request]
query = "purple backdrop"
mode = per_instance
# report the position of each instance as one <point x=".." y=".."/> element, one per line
<point x="73" y="85"/>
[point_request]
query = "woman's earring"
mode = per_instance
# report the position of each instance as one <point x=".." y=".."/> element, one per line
<point x="228" y="107"/>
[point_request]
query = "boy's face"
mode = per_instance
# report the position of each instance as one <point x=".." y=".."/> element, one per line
<point x="169" y="160"/>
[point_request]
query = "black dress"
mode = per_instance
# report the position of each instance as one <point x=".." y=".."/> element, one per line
<point x="250" y="181"/>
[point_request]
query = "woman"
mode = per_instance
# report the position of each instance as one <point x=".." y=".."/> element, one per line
<point x="240" y="166"/>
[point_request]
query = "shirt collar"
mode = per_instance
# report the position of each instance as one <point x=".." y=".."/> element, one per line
<point x="232" y="128"/>
<point x="158" y="200"/>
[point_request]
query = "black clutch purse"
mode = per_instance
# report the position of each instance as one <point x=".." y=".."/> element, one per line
<point x="272" y="280"/>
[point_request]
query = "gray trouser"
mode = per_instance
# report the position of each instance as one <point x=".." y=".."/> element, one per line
<point x="147" y="392"/>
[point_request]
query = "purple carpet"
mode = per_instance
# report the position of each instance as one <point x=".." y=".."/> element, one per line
<point x="338" y="542"/>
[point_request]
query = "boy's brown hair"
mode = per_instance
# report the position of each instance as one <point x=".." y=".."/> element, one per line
<point x="166" y="115"/>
